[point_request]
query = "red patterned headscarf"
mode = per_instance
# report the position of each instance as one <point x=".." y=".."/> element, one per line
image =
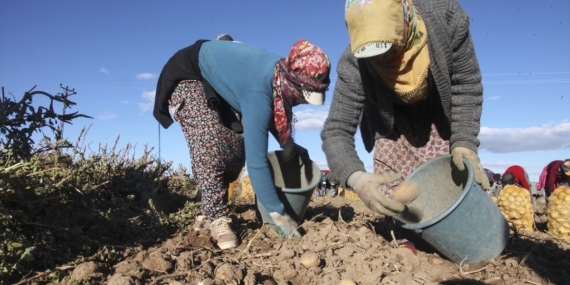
<point x="307" y="67"/>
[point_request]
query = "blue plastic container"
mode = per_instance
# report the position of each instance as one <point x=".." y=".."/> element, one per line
<point x="453" y="213"/>
<point x="295" y="182"/>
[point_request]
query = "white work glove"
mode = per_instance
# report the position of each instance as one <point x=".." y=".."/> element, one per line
<point x="368" y="188"/>
<point x="459" y="153"/>
<point x="285" y="225"/>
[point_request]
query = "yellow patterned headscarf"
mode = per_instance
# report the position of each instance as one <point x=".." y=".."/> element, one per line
<point x="404" y="68"/>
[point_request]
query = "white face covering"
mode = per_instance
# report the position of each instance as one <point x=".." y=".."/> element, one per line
<point x="314" y="98"/>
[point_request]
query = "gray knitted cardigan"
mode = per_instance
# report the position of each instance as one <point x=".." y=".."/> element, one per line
<point x="456" y="75"/>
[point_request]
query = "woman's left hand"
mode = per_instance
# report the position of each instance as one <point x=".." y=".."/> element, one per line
<point x="285" y="225"/>
<point x="459" y="153"/>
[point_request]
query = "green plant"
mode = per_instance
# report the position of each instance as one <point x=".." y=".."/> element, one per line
<point x="20" y="120"/>
<point x="68" y="203"/>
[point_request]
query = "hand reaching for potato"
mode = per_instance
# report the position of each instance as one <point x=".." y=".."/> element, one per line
<point x="406" y="192"/>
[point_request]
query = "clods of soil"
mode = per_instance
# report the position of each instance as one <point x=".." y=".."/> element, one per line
<point x="343" y="243"/>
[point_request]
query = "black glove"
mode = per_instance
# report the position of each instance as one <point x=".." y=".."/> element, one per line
<point x="291" y="152"/>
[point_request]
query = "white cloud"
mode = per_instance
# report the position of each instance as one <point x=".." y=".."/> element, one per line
<point x="495" y="97"/>
<point x="103" y="70"/>
<point x="533" y="169"/>
<point x="145" y="106"/>
<point x="125" y="102"/>
<point x="499" y="164"/>
<point x="146" y="76"/>
<point x="148" y="96"/>
<point x="107" y="116"/>
<point x="506" y="140"/>
<point x="310" y="120"/>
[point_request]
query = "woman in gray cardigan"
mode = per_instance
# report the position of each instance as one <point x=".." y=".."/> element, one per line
<point x="411" y="80"/>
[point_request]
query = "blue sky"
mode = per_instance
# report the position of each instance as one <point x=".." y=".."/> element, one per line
<point x="111" y="52"/>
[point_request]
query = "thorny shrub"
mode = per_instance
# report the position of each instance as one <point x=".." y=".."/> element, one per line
<point x="20" y="120"/>
<point x="67" y="203"/>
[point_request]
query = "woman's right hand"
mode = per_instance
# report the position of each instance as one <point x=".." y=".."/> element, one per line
<point x="368" y="188"/>
<point x="302" y="152"/>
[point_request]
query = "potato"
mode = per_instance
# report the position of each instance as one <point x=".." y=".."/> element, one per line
<point x="406" y="192"/>
<point x="346" y="282"/>
<point x="310" y="259"/>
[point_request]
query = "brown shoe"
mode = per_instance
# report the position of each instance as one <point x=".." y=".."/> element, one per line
<point x="223" y="234"/>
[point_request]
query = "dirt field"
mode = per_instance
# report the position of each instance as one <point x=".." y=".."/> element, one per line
<point x="343" y="241"/>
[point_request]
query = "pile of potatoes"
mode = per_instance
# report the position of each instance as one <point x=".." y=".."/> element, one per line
<point x="246" y="193"/>
<point x="515" y="204"/>
<point x="347" y="193"/>
<point x="559" y="213"/>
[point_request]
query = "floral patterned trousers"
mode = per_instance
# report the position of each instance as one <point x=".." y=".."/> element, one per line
<point x="421" y="132"/>
<point x="217" y="152"/>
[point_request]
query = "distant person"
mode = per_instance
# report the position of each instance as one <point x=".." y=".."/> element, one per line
<point x="495" y="178"/>
<point x="509" y="179"/>
<point x="516" y="175"/>
<point x="495" y="184"/>
<point x="489" y="174"/>
<point x="554" y="175"/>
<point x="331" y="186"/>
<point x="211" y="88"/>
<point x="410" y="79"/>
<point x="322" y="186"/>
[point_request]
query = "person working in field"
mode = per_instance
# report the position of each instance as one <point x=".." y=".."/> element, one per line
<point x="516" y="175"/>
<point x="211" y="88"/>
<point x="411" y="80"/>
<point x="495" y="184"/>
<point x="554" y="175"/>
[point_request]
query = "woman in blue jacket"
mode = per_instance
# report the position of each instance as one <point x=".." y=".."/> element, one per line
<point x="227" y="97"/>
